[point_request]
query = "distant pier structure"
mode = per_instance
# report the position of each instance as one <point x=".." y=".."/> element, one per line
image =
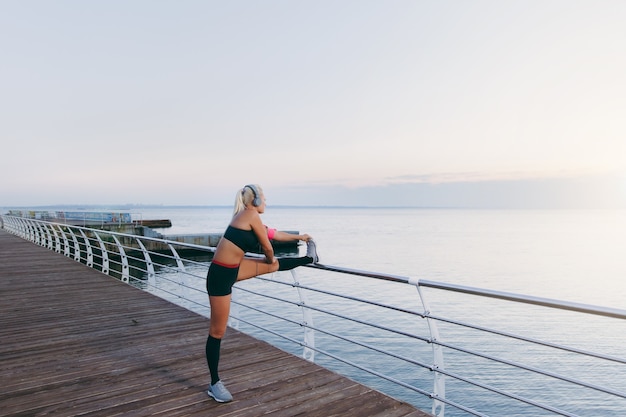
<point x="77" y="218"/>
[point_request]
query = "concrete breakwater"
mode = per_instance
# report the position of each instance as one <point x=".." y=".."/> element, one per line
<point x="212" y="239"/>
<point x="201" y="239"/>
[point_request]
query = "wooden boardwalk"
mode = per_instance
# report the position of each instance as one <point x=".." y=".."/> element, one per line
<point x="75" y="342"/>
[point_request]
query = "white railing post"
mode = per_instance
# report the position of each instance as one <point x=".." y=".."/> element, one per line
<point x="66" y="244"/>
<point x="105" y="254"/>
<point x="33" y="232"/>
<point x="43" y="234"/>
<point x="5" y="222"/>
<point x="439" y="381"/>
<point x="14" y="226"/>
<point x="149" y="264"/>
<point x="183" y="290"/>
<point x="76" y="245"/>
<point x="308" y="352"/>
<point x="125" y="272"/>
<point x="21" y="230"/>
<point x="49" y="241"/>
<point x="29" y="232"/>
<point x="57" y="241"/>
<point x="88" y="248"/>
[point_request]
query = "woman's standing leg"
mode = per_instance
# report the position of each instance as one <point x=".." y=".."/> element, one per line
<point x="220" y="309"/>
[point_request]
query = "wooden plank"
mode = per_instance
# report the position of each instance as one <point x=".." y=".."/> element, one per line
<point x="77" y="342"/>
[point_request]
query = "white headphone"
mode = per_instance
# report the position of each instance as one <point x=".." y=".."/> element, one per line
<point x="256" y="202"/>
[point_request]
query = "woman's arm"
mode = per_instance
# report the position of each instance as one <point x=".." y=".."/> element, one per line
<point x="289" y="237"/>
<point x="261" y="233"/>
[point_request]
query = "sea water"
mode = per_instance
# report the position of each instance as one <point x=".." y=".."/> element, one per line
<point x="570" y="255"/>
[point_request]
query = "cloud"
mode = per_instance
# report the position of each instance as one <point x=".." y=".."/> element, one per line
<point x="484" y="176"/>
<point x="581" y="192"/>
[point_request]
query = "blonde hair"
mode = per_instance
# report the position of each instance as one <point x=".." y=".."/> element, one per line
<point x="245" y="196"/>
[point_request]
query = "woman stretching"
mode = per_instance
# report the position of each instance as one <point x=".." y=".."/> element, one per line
<point x="244" y="234"/>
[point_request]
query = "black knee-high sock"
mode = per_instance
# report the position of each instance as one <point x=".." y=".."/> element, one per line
<point x="213" y="357"/>
<point x="285" y="264"/>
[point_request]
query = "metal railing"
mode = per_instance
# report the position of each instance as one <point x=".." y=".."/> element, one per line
<point x="505" y="354"/>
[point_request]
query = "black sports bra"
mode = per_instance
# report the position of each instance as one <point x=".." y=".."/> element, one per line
<point x="245" y="240"/>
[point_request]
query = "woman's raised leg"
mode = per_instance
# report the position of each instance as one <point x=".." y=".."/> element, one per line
<point x="253" y="267"/>
<point x="249" y="268"/>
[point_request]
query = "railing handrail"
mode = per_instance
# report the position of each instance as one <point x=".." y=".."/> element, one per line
<point x="52" y="235"/>
<point x="528" y="299"/>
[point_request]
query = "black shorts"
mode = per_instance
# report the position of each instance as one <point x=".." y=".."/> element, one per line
<point x="221" y="278"/>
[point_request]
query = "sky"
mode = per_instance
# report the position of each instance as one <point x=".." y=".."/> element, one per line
<point x="378" y="103"/>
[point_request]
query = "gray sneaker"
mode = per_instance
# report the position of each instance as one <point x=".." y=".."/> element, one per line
<point x="219" y="392"/>
<point x="311" y="251"/>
